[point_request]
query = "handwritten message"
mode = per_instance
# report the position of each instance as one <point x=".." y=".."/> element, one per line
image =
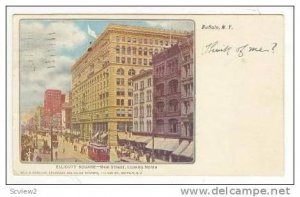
<point x="241" y="50"/>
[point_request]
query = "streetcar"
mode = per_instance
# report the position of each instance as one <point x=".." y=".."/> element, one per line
<point x="98" y="153"/>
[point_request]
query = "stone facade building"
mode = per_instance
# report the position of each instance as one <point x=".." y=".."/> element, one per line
<point x="142" y="102"/>
<point x="173" y="118"/>
<point x="187" y="88"/>
<point x="101" y="89"/>
<point x="167" y="92"/>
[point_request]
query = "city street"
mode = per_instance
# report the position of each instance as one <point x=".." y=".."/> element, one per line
<point x="65" y="152"/>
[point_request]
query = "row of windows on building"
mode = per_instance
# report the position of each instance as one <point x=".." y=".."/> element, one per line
<point x="172" y="88"/>
<point x="139" y="112"/>
<point x="139" y="126"/>
<point x="91" y="87"/>
<point x="77" y="108"/>
<point x="120" y="71"/>
<point x="187" y="108"/>
<point x="121" y="102"/>
<point x="140" y="98"/>
<point x="171" y="106"/>
<point x="121" y="82"/>
<point x="122" y="113"/>
<point x="172" y="125"/>
<point x="170" y="68"/>
<point x="101" y="76"/>
<point x="142" y="84"/>
<point x="188" y="90"/>
<point x="124" y="126"/>
<point x="121" y="92"/>
<point x="89" y="98"/>
<point x="187" y="70"/>
<point x="140" y="40"/>
<point x="134" y="61"/>
<point x="137" y="51"/>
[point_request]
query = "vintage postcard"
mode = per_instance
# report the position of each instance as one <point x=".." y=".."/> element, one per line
<point x="141" y="94"/>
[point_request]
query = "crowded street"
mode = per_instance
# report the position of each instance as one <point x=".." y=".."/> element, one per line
<point x="38" y="149"/>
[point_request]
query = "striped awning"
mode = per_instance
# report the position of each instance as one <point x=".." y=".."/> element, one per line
<point x="96" y="135"/>
<point x="157" y="143"/>
<point x="189" y="151"/>
<point x="143" y="139"/>
<point x="183" y="145"/>
<point x="169" y="145"/>
<point x="103" y="135"/>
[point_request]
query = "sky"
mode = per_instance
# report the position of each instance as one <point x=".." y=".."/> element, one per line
<point x="49" y="48"/>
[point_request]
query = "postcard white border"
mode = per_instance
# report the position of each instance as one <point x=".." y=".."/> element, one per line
<point x="288" y="95"/>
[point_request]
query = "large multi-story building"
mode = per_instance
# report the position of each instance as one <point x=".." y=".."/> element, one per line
<point x="53" y="100"/>
<point x="142" y="102"/>
<point x="187" y="88"/>
<point x="101" y="89"/>
<point x="167" y="92"/>
<point x="174" y="98"/>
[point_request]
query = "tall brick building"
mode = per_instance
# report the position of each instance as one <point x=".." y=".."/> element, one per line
<point x="167" y="92"/>
<point x="173" y="83"/>
<point x="53" y="100"/>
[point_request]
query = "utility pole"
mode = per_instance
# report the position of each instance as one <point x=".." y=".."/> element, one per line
<point x="152" y="154"/>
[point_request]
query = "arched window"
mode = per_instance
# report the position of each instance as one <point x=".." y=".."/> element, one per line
<point x="120" y="71"/>
<point x="160" y="125"/>
<point x="128" y="51"/>
<point x="160" y="106"/>
<point x="123" y="50"/>
<point x="173" y="125"/>
<point x="173" y="105"/>
<point x="155" y="51"/>
<point x="173" y="86"/>
<point x="117" y="49"/>
<point x="160" y="90"/>
<point x="134" y="51"/>
<point x="145" y="51"/>
<point x="140" y="51"/>
<point x="131" y="72"/>
<point x="151" y="52"/>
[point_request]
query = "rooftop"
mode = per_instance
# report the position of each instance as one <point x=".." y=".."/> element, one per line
<point x="141" y="29"/>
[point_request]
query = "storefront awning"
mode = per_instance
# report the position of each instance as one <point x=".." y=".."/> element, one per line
<point x="169" y="145"/>
<point x="183" y="145"/>
<point x="122" y="135"/>
<point x="96" y="135"/>
<point x="189" y="151"/>
<point x="103" y="135"/>
<point x="143" y="139"/>
<point x="132" y="138"/>
<point x="157" y="143"/>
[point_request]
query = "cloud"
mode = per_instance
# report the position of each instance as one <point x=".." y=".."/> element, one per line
<point x="44" y="59"/>
<point x="182" y="25"/>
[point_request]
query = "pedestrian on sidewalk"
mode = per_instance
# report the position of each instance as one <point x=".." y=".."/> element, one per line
<point x="56" y="155"/>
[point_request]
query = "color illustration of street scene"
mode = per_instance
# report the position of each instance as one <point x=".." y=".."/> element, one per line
<point x="107" y="91"/>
